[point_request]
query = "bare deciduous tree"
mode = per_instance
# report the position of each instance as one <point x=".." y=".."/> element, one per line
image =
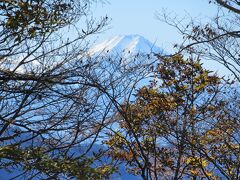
<point x="216" y="40"/>
<point x="49" y="112"/>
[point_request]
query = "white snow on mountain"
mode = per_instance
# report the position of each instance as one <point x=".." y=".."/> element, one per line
<point x="121" y="44"/>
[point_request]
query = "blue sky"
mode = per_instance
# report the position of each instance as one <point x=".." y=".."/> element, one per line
<point x="139" y="17"/>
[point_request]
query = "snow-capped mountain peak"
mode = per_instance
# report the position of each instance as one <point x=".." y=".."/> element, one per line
<point x="125" y="44"/>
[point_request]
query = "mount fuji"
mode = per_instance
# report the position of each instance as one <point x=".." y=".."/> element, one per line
<point x="124" y="45"/>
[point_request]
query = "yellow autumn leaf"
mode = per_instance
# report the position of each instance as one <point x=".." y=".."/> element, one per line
<point x="209" y="174"/>
<point x="194" y="171"/>
<point x="204" y="163"/>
